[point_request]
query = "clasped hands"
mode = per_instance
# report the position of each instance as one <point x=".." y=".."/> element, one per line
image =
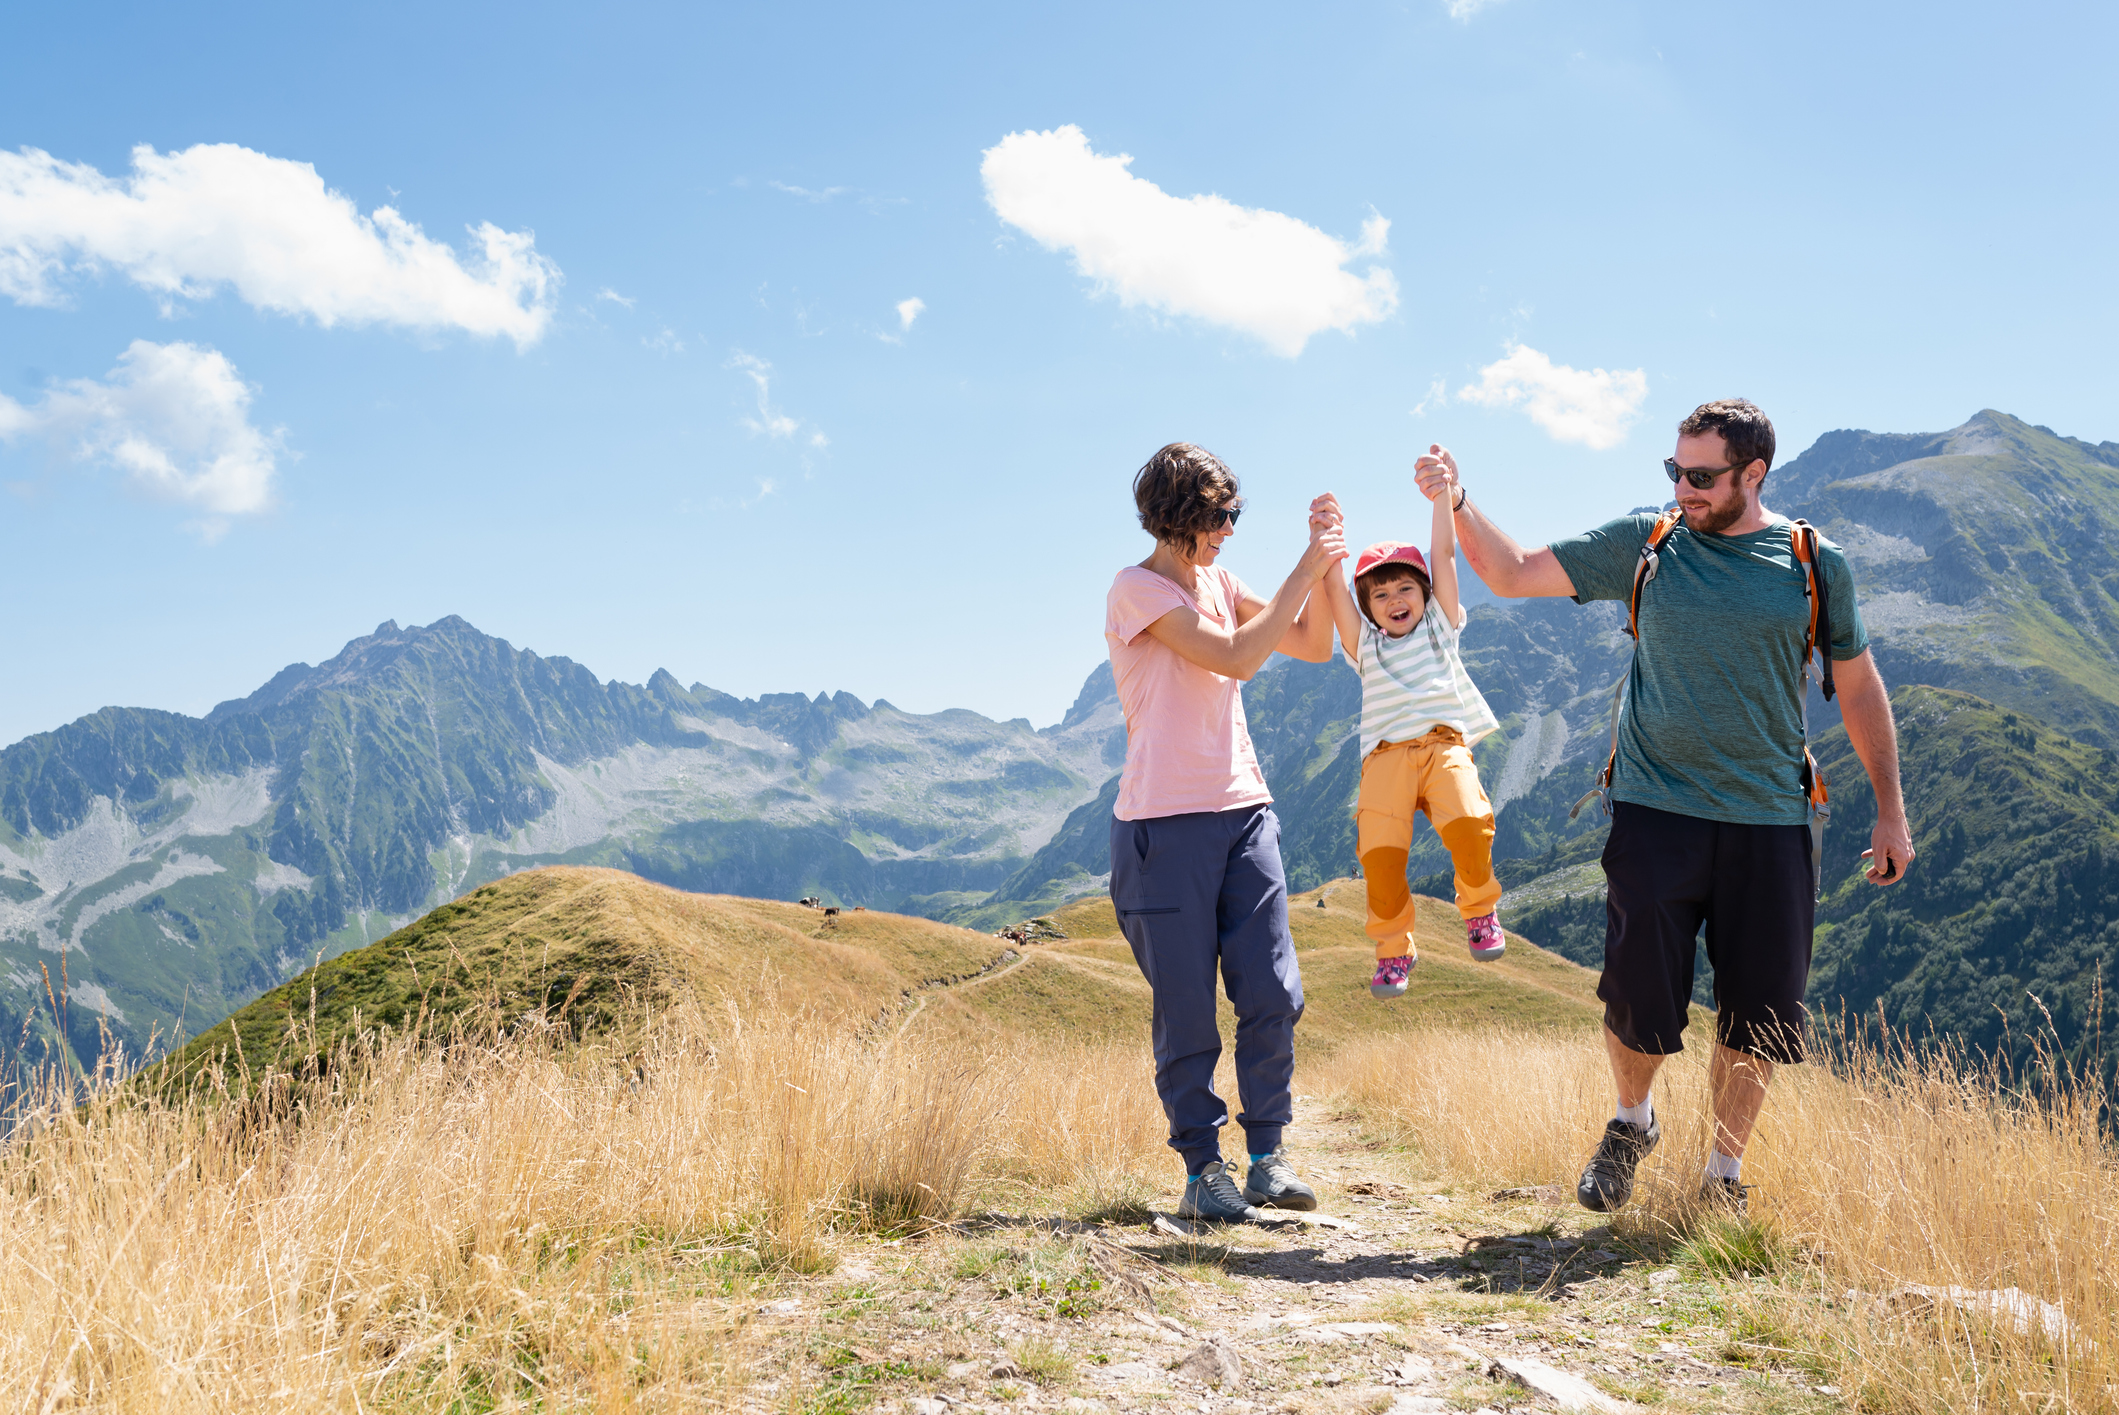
<point x="1327" y="536"/>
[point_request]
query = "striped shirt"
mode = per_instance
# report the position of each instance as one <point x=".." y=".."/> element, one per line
<point x="1412" y="684"/>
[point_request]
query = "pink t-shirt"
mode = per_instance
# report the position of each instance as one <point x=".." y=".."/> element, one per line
<point x="1187" y="747"/>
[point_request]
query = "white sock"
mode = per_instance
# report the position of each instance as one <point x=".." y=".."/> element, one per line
<point x="1639" y="1115"/>
<point x="1720" y="1166"/>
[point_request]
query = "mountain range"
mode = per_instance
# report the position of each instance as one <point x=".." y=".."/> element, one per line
<point x="162" y="870"/>
<point x="159" y="870"/>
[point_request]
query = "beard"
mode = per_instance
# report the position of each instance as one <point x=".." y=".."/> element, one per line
<point x="1717" y="517"/>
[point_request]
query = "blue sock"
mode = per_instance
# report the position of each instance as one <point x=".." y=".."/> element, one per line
<point x="1255" y="1159"/>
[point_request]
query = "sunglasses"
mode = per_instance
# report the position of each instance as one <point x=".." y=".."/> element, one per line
<point x="1223" y="516"/>
<point x="1700" y="477"/>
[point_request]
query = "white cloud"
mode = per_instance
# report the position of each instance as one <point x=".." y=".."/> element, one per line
<point x="807" y="194"/>
<point x="667" y="342"/>
<point x="607" y="293"/>
<point x="909" y="310"/>
<point x="1594" y="407"/>
<point x="175" y="418"/>
<point x="768" y="422"/>
<point x="1265" y="274"/>
<point x="1437" y="395"/>
<point x="186" y="223"/>
<point x="1465" y="9"/>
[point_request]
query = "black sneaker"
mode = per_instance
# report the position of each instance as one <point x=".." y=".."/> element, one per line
<point x="1607" y="1180"/>
<point x="1272" y="1184"/>
<point x="1725" y="1196"/>
<point x="1212" y="1195"/>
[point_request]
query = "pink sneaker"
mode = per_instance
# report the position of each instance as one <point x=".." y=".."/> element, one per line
<point x="1484" y="933"/>
<point x="1391" y="976"/>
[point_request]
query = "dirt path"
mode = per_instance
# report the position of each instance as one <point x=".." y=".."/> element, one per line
<point x="1011" y="961"/>
<point x="1404" y="1296"/>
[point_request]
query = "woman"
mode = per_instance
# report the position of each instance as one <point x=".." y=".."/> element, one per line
<point x="1195" y="847"/>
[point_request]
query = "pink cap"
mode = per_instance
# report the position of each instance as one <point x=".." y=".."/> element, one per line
<point x="1390" y="552"/>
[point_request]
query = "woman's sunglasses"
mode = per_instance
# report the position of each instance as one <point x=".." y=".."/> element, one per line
<point x="1700" y="477"/>
<point x="1223" y="516"/>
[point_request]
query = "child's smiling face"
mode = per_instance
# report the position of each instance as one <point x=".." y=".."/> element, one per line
<point x="1396" y="605"/>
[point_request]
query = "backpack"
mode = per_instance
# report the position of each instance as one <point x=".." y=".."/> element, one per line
<point x="1817" y="639"/>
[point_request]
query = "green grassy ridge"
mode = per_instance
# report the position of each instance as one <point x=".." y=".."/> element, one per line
<point x="2011" y="911"/>
<point x="599" y="948"/>
<point x="605" y="951"/>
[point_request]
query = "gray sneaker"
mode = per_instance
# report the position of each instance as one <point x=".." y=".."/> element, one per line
<point x="1607" y="1180"/>
<point x="1725" y="1196"/>
<point x="1212" y="1195"/>
<point x="1272" y="1184"/>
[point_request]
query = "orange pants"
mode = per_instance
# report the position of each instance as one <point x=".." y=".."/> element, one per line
<point x="1431" y="773"/>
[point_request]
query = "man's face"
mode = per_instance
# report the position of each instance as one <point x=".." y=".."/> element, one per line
<point x="1714" y="509"/>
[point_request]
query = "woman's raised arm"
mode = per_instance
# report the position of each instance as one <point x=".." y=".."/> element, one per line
<point x="1262" y="625"/>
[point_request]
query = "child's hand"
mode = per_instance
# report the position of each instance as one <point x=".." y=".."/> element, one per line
<point x="1327" y="547"/>
<point x="1324" y="512"/>
<point x="1436" y="472"/>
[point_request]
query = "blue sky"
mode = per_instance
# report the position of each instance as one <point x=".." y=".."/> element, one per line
<point x="673" y="415"/>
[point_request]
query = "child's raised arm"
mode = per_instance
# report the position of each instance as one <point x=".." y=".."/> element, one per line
<point x="1442" y="550"/>
<point x="1345" y="617"/>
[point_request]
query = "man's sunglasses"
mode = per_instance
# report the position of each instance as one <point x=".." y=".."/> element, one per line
<point x="1223" y="516"/>
<point x="1700" y="477"/>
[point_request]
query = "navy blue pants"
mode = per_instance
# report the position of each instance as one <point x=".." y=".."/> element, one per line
<point x="1194" y="892"/>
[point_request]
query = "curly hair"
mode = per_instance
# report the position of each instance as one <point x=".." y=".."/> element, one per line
<point x="1745" y="430"/>
<point x="1181" y="492"/>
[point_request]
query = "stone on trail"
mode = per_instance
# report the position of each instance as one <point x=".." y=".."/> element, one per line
<point x="927" y="1405"/>
<point x="1412" y="1371"/>
<point x="1274" y="1217"/>
<point x="1214" y="1362"/>
<point x="1569" y="1392"/>
<point x="1419" y="1405"/>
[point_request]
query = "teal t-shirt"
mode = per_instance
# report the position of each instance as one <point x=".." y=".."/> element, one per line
<point x="1713" y="722"/>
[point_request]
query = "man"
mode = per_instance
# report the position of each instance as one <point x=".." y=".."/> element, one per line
<point x="1709" y="808"/>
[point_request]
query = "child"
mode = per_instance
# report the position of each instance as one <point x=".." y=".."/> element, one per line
<point x="1420" y="716"/>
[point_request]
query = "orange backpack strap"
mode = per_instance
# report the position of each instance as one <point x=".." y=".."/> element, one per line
<point x="1818" y="639"/>
<point x="1643" y="572"/>
<point x="1651" y="559"/>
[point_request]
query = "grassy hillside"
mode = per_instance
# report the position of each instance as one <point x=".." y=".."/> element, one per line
<point x="2008" y="914"/>
<point x="1088" y="986"/>
<point x="601" y="949"/>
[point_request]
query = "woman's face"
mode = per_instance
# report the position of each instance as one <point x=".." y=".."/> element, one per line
<point x="1206" y="545"/>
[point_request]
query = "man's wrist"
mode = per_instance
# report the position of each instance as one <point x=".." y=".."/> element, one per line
<point x="1457" y="502"/>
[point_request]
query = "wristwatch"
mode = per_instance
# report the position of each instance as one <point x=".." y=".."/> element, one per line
<point x="1458" y="504"/>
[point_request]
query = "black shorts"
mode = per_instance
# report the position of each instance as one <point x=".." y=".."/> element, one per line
<point x="1751" y="886"/>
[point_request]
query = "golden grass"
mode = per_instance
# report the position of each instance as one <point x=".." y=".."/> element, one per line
<point x="600" y="947"/>
<point x="1879" y="1171"/>
<point x="508" y="1221"/>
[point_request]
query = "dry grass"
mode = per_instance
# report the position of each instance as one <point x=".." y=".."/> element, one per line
<point x="1880" y="1171"/>
<point x="510" y="1222"/>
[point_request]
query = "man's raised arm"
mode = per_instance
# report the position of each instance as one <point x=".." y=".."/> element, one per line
<point x="1507" y="568"/>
